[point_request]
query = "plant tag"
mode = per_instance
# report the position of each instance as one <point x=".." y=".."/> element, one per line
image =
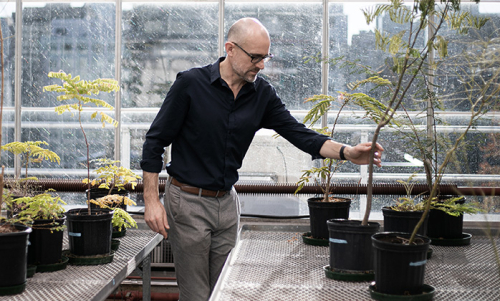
<point x="338" y="241"/>
<point x="74" y="234"/>
<point x="418" y="263"/>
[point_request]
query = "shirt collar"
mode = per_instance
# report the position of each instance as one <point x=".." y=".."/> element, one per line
<point x="215" y="74"/>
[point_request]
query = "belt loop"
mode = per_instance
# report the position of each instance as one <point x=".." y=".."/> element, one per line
<point x="217" y="194"/>
<point x="199" y="192"/>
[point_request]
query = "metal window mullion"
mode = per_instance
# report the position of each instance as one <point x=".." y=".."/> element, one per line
<point x="17" y="83"/>
<point x="221" y="27"/>
<point x="118" y="55"/>
<point x="325" y="53"/>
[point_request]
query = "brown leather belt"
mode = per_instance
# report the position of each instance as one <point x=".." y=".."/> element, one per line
<point x="195" y="190"/>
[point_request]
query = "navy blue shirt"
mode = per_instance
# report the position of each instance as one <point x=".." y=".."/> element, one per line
<point x="210" y="131"/>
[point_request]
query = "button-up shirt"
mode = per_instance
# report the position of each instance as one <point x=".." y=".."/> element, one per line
<point x="210" y="131"/>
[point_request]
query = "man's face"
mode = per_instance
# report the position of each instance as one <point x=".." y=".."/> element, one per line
<point x="242" y="64"/>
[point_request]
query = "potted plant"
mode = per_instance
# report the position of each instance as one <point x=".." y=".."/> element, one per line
<point x="349" y="242"/>
<point x="446" y="217"/>
<point x="325" y="207"/>
<point x="410" y="63"/>
<point x="121" y="218"/>
<point x="405" y="214"/>
<point x="30" y="152"/>
<point x="89" y="230"/>
<point x="112" y="180"/>
<point x="46" y="239"/>
<point x="14" y="233"/>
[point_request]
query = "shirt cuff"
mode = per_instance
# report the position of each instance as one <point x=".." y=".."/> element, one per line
<point x="151" y="165"/>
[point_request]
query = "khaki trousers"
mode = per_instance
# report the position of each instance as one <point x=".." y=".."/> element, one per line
<point x="203" y="230"/>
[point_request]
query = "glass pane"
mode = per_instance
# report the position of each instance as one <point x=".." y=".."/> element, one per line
<point x="7" y="65"/>
<point x="79" y="40"/>
<point x="160" y="40"/>
<point x="134" y="127"/>
<point x="295" y="30"/>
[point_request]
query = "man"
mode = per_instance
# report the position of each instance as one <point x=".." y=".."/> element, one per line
<point x="210" y="116"/>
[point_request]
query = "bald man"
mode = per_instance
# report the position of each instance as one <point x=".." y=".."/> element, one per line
<point x="210" y="116"/>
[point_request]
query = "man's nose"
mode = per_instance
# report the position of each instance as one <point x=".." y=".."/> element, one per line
<point x="260" y="65"/>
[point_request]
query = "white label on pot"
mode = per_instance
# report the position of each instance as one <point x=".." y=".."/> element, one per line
<point x="74" y="234"/>
<point x="338" y="241"/>
<point x="418" y="263"/>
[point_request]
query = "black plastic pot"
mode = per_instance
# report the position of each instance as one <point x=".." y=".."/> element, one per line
<point x="45" y="246"/>
<point x="118" y="234"/>
<point x="13" y="263"/>
<point x="403" y="221"/>
<point x="96" y="193"/>
<point x="399" y="268"/>
<point x="351" y="245"/>
<point x="89" y="234"/>
<point x="321" y="212"/>
<point x="444" y="226"/>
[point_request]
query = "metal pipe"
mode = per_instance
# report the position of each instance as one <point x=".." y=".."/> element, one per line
<point x="65" y="185"/>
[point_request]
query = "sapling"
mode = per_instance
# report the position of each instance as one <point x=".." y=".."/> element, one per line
<point x="408" y="62"/>
<point x="77" y="90"/>
<point x="30" y="152"/>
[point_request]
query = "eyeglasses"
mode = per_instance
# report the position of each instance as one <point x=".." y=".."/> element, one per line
<point x="256" y="58"/>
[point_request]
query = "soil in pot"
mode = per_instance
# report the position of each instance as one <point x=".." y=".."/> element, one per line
<point x="89" y="234"/>
<point x="320" y="212"/>
<point x="399" y="267"/>
<point x="13" y="258"/>
<point x="45" y="246"/>
<point x="351" y="248"/>
<point x="403" y="221"/>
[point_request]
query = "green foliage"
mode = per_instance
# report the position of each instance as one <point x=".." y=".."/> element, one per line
<point x="408" y="202"/>
<point x="30" y="152"/>
<point x="76" y="89"/>
<point x="113" y="176"/>
<point x="449" y="206"/>
<point x="452" y="207"/>
<point x="42" y="206"/>
<point x="121" y="218"/>
<point x="323" y="173"/>
<point x="321" y="105"/>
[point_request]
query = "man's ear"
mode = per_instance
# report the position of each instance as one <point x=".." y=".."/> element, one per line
<point x="229" y="48"/>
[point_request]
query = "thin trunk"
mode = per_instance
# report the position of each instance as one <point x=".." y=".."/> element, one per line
<point x="88" y="155"/>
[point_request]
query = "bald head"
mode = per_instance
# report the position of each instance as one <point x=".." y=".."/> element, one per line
<point x="246" y="29"/>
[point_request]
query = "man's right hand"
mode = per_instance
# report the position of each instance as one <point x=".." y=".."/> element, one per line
<point x="154" y="212"/>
